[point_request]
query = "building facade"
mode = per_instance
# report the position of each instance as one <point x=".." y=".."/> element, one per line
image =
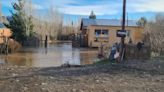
<point x="104" y="31"/>
<point x="4" y="33"/>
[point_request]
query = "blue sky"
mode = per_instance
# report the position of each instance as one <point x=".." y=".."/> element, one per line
<point x="104" y="9"/>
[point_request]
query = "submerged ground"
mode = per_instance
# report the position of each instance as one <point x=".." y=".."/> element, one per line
<point x="131" y="76"/>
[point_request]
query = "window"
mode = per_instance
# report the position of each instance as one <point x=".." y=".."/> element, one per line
<point x="101" y="35"/>
<point x="104" y="32"/>
<point x="97" y="33"/>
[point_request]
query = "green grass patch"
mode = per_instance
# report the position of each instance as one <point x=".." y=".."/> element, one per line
<point x="107" y="61"/>
<point x="104" y="61"/>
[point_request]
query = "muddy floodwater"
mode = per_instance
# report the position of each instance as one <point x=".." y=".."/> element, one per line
<point x="54" y="55"/>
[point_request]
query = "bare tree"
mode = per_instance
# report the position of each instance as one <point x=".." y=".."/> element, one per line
<point x="0" y="9"/>
<point x="55" y="22"/>
<point x="49" y="23"/>
<point x="155" y="33"/>
<point x="1" y="12"/>
<point x="46" y="24"/>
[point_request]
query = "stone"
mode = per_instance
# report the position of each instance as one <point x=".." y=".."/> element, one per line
<point x="36" y="84"/>
<point x="17" y="80"/>
<point x="43" y="83"/>
<point x="25" y="88"/>
<point x="14" y="74"/>
<point x="74" y="90"/>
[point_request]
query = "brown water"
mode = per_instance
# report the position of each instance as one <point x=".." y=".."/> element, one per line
<point x="55" y="55"/>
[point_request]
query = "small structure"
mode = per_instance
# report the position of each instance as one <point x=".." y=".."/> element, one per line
<point x="5" y="33"/>
<point x="97" y="31"/>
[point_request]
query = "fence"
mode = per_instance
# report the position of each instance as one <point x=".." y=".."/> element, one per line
<point x="32" y="41"/>
<point x="132" y="52"/>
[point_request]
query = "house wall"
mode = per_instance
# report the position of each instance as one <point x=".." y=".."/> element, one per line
<point x="4" y="32"/>
<point x="135" y="35"/>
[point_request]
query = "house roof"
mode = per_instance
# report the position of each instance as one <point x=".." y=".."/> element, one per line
<point x="2" y="25"/>
<point x="106" y="22"/>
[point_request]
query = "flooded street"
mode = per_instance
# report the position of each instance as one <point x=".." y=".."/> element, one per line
<point x="55" y="55"/>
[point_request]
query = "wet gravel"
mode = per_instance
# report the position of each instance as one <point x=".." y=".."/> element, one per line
<point x="123" y="77"/>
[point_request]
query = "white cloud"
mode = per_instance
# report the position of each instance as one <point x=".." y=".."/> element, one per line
<point x="34" y="6"/>
<point x="80" y="7"/>
<point x="108" y="7"/>
<point x="149" y="6"/>
<point x="37" y="7"/>
<point x="86" y="10"/>
<point x="100" y="7"/>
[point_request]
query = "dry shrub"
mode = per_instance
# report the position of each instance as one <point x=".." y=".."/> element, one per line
<point x="13" y="45"/>
<point x="154" y="33"/>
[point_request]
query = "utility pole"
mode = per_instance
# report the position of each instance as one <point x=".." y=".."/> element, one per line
<point x="123" y="29"/>
<point x="72" y="28"/>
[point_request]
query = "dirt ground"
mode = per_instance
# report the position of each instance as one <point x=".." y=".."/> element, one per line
<point x="131" y="76"/>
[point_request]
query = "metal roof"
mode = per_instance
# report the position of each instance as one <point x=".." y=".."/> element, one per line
<point x="107" y="22"/>
<point x="2" y="25"/>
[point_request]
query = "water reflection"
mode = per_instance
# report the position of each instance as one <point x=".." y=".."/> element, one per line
<point x="54" y="55"/>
